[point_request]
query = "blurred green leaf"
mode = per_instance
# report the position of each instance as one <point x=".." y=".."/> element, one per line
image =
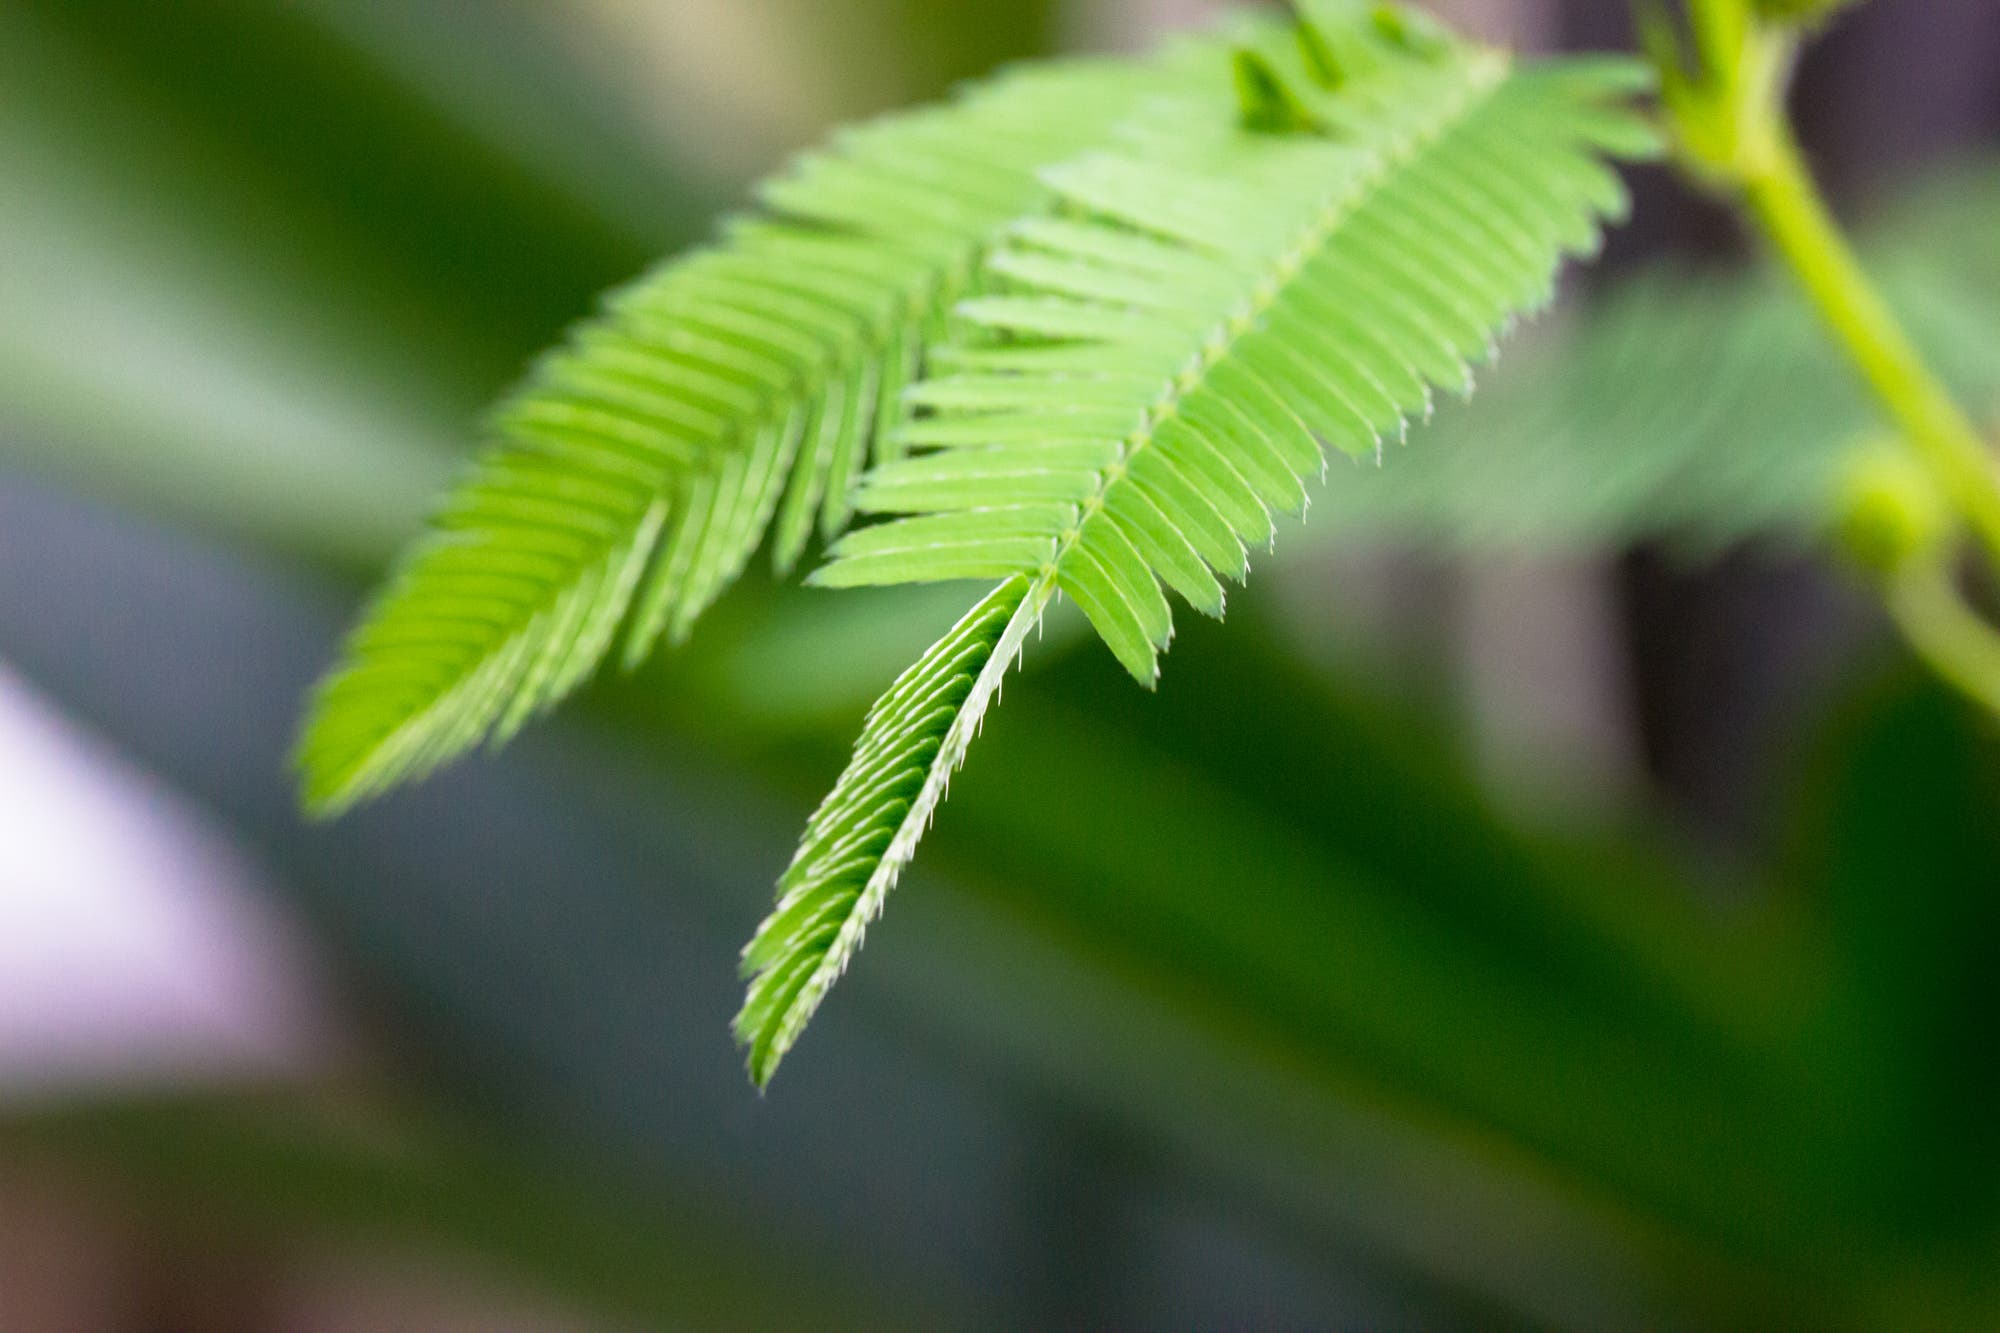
<point x="1701" y="404"/>
<point x="306" y="1168"/>
<point x="190" y="321"/>
<point x="1779" y="1087"/>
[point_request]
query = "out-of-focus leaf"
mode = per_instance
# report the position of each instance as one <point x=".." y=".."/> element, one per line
<point x="290" y="1166"/>
<point x="1313" y="972"/>
<point x="1786" y="1083"/>
<point x="1893" y="857"/>
<point x="191" y="321"/>
<point x="1706" y="405"/>
<point x="375" y="160"/>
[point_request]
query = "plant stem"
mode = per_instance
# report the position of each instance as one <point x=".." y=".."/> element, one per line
<point x="1728" y="114"/>
<point x="1958" y="645"/>
<point x="1780" y="194"/>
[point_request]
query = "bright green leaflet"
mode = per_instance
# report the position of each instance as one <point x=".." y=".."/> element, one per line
<point x="1086" y="329"/>
<point x="733" y="394"/>
<point x="1153" y="369"/>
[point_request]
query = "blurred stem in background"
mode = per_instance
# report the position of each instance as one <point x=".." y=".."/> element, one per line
<point x="1730" y="123"/>
<point x="1782" y="197"/>
<point x="1961" y="647"/>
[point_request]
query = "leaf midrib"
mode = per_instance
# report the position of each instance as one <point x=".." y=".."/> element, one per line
<point x="1489" y="71"/>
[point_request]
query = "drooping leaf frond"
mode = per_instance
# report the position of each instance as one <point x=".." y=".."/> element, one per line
<point x="867" y="829"/>
<point x="735" y="393"/>
<point x="1158" y="359"/>
<point x="1171" y="349"/>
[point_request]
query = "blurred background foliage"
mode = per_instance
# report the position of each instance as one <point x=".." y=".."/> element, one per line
<point x="1550" y="900"/>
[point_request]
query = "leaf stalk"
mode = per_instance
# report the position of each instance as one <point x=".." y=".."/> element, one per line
<point x="1781" y="196"/>
<point x="1924" y="600"/>
<point x="1729" y="120"/>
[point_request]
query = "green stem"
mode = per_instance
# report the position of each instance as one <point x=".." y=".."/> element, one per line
<point x="1958" y="645"/>
<point x="1780" y="194"/>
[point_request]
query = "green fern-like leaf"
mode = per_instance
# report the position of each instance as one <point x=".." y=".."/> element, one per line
<point x="1153" y="367"/>
<point x="1086" y="329"/>
<point x="866" y="831"/>
<point x="732" y="395"/>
